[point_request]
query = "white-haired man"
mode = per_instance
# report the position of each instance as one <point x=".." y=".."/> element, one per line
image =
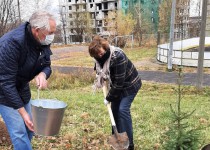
<point x="24" y="55"/>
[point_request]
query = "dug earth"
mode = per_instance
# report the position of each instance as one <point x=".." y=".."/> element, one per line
<point x="4" y="135"/>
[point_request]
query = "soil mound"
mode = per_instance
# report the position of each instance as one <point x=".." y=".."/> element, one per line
<point x="4" y="135"/>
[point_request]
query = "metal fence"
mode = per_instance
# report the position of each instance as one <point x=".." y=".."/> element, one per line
<point x="185" y="58"/>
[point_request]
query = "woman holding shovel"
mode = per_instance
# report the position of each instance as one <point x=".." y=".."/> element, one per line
<point x="112" y="65"/>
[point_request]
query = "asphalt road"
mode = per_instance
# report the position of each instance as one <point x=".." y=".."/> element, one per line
<point x="154" y="76"/>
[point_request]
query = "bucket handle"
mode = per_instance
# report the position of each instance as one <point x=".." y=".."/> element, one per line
<point x="38" y="93"/>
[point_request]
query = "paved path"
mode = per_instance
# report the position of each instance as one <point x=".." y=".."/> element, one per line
<point x="155" y="76"/>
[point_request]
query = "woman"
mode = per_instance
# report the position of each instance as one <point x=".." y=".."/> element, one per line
<point x="113" y="64"/>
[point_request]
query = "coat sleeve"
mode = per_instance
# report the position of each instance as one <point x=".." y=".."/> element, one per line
<point x="47" y="70"/>
<point x="118" y="73"/>
<point x="47" y="63"/>
<point x="9" y="58"/>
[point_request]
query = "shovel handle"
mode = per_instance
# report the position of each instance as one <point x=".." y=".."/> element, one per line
<point x="105" y="89"/>
<point x="111" y="114"/>
<point x="105" y="92"/>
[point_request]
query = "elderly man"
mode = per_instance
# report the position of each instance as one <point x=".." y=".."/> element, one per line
<point x="24" y="55"/>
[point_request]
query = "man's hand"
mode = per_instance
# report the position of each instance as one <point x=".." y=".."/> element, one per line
<point x="106" y="102"/>
<point x="26" y="118"/>
<point x="41" y="81"/>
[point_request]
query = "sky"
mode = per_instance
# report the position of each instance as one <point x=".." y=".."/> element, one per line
<point x="27" y="7"/>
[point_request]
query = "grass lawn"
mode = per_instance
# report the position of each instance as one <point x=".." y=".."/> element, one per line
<point x="144" y="58"/>
<point x="86" y="123"/>
<point x="82" y="58"/>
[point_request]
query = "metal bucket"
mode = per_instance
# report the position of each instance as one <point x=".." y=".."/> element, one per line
<point x="47" y="116"/>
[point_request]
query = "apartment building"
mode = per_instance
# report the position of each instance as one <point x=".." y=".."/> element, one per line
<point x="95" y="11"/>
<point x="98" y="10"/>
<point x="194" y="26"/>
<point x="181" y="28"/>
<point x="198" y="17"/>
<point x="145" y="9"/>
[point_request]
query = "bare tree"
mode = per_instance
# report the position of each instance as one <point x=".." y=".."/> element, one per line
<point x="164" y="16"/>
<point x="138" y="26"/>
<point x="18" y="5"/>
<point x="121" y="25"/>
<point x="58" y="35"/>
<point x="143" y="24"/>
<point x="183" y="22"/>
<point x="111" y="24"/>
<point x="195" y="19"/>
<point x="27" y="7"/>
<point x="8" y="19"/>
<point x="81" y="25"/>
<point x="63" y="23"/>
<point x="164" y="21"/>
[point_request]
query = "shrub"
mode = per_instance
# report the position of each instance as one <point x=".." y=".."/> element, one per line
<point x="67" y="81"/>
<point x="180" y="134"/>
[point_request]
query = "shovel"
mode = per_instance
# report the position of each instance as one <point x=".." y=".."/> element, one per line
<point x="118" y="141"/>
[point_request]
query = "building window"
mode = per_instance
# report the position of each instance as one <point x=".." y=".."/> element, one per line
<point x="98" y="6"/>
<point x="105" y="23"/>
<point x="77" y="7"/>
<point x="93" y="16"/>
<point x="70" y="8"/>
<point x="70" y="1"/>
<point x="93" y="22"/>
<point x="153" y="20"/>
<point x="91" y="5"/>
<point x="116" y="5"/>
<point x="84" y="7"/>
<point x="70" y="15"/>
<point x="152" y="11"/>
<point x="105" y="5"/>
<point x="99" y="23"/>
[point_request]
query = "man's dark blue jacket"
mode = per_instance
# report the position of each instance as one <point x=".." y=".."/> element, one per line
<point x="21" y="59"/>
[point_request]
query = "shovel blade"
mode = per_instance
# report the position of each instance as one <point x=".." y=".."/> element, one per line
<point x="119" y="142"/>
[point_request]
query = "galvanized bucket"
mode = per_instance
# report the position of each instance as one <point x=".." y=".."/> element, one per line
<point x="47" y="115"/>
